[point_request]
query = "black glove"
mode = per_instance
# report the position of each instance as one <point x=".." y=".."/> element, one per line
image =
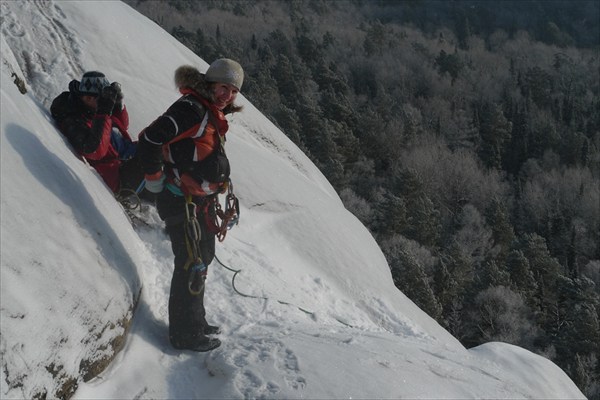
<point x="119" y="100"/>
<point x="106" y="100"/>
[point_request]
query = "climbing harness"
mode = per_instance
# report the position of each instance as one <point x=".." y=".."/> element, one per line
<point x="218" y="222"/>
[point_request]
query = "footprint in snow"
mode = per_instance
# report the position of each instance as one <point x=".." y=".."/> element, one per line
<point x="259" y="368"/>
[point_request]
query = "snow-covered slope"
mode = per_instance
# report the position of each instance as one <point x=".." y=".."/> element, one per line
<point x="328" y="322"/>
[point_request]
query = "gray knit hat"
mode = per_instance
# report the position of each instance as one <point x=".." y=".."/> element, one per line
<point x="227" y="71"/>
<point x="92" y="83"/>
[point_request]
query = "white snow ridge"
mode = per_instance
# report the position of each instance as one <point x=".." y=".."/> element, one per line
<point x="328" y="323"/>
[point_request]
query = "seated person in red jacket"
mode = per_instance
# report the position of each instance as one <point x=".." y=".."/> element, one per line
<point x="92" y="116"/>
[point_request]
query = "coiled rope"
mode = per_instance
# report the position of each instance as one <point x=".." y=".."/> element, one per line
<point x="129" y="199"/>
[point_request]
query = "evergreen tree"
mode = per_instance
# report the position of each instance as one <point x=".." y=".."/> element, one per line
<point x="289" y="122"/>
<point x="521" y="277"/>
<point x="422" y="223"/>
<point x="393" y="216"/>
<point x="494" y="131"/>
<point x="490" y="275"/>
<point x="375" y="39"/>
<point x="336" y="107"/>
<point x="585" y="374"/>
<point x="361" y="176"/>
<point x="449" y="63"/>
<point x="448" y="291"/>
<point x="573" y="149"/>
<point x="279" y="43"/>
<point x="263" y="91"/>
<point x="503" y="234"/>
<point x="453" y="277"/>
<point x="286" y="82"/>
<point x="445" y="287"/>
<point x="517" y="151"/>
<point x="410" y="278"/>
<point x="537" y="85"/>
<point x="545" y="268"/>
<point x="265" y="55"/>
<point x="334" y="171"/>
<point x="462" y="27"/>
<point x="309" y="51"/>
<point x="576" y="329"/>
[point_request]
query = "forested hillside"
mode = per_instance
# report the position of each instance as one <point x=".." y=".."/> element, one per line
<point x="465" y="135"/>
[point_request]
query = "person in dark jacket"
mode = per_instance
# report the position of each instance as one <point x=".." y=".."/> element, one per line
<point x="182" y="154"/>
<point x="93" y="118"/>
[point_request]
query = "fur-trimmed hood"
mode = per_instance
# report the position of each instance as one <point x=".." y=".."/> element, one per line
<point x="188" y="76"/>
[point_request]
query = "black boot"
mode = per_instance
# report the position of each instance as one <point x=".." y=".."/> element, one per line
<point x="200" y="343"/>
<point x="211" y="330"/>
<point x="205" y="344"/>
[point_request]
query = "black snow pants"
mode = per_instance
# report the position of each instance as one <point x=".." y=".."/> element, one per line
<point x="187" y="316"/>
<point x="131" y="174"/>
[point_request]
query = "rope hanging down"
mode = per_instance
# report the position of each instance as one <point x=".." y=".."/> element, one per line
<point x="235" y="274"/>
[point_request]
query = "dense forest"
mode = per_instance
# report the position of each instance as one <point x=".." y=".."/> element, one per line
<point x="464" y="134"/>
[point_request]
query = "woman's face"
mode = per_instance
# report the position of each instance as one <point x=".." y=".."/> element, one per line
<point x="90" y="102"/>
<point x="224" y="94"/>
